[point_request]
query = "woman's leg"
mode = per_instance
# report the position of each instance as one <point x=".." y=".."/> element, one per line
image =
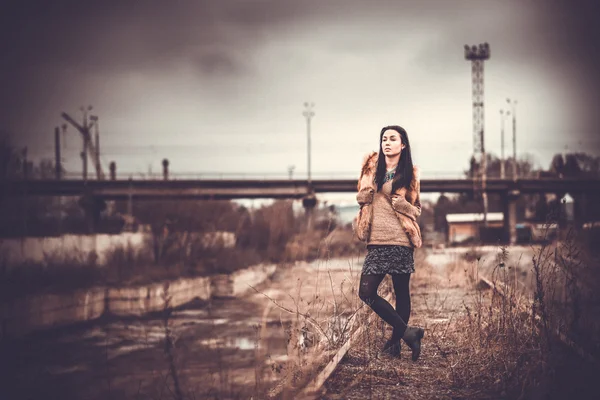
<point x="368" y="293"/>
<point x="402" y="292"/>
<point x="412" y="336"/>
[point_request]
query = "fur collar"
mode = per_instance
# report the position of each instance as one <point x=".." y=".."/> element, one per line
<point x="369" y="169"/>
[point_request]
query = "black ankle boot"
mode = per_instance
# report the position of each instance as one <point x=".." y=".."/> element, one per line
<point x="391" y="348"/>
<point x="412" y="337"/>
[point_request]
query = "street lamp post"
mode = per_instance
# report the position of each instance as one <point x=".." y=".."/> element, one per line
<point x="502" y="159"/>
<point x="309" y="201"/>
<point x="308" y="114"/>
<point x="513" y="104"/>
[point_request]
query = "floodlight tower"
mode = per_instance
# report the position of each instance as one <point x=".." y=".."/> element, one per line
<point x="477" y="55"/>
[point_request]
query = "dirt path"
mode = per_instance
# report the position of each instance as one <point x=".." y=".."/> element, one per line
<point x="439" y="295"/>
<point x="477" y="343"/>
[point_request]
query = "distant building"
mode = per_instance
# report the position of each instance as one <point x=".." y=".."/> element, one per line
<point x="465" y="227"/>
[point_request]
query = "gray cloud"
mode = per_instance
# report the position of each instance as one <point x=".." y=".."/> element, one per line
<point x="52" y="46"/>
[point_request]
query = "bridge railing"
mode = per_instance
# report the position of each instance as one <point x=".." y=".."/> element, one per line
<point x="253" y="175"/>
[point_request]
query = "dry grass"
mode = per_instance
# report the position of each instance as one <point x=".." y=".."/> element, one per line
<point x="494" y="347"/>
<point x="319" y="320"/>
<point x="479" y="343"/>
<point x="366" y="373"/>
<point x="321" y="323"/>
<point x="316" y="318"/>
<point x="509" y="343"/>
<point x="271" y="234"/>
<point x="485" y="343"/>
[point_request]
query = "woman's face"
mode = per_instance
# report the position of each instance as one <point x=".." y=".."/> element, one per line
<point x="391" y="143"/>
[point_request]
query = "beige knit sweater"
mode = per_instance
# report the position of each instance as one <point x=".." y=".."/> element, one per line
<point x="386" y="228"/>
<point x="405" y="202"/>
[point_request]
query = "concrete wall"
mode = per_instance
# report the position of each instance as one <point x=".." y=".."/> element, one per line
<point x="41" y="250"/>
<point x="137" y="301"/>
<point x="50" y="310"/>
<point x="45" y="311"/>
<point x="241" y="281"/>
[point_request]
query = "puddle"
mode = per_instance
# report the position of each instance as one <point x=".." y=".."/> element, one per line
<point x="126" y="349"/>
<point x="67" y="370"/>
<point x="94" y="333"/>
<point x="243" y="343"/>
<point x="216" y="321"/>
<point x="191" y="313"/>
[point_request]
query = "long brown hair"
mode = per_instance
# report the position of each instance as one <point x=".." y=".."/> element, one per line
<point x="404" y="170"/>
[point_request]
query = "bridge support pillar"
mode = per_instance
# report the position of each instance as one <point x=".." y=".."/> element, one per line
<point x="113" y="170"/>
<point x="92" y="207"/>
<point x="510" y="216"/>
<point x="309" y="202"/>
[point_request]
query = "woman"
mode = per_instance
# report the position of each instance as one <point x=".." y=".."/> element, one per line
<point x="388" y="194"/>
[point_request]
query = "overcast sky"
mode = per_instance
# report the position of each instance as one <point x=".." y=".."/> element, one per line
<point x="219" y="86"/>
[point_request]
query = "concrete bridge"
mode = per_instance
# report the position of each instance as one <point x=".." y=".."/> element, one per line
<point x="220" y="189"/>
<point x="289" y="189"/>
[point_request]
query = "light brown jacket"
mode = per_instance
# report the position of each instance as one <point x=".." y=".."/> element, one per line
<point x="405" y="202"/>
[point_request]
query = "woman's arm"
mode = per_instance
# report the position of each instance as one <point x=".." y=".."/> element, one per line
<point x="410" y="209"/>
<point x="365" y="196"/>
<point x="366" y="187"/>
<point x="401" y="205"/>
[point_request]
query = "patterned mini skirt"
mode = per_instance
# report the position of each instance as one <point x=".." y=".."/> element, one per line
<point x="388" y="259"/>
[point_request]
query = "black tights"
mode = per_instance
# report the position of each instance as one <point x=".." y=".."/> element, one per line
<point x="397" y="318"/>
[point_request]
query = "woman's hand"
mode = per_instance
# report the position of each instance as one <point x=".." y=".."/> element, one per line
<point x="365" y="196"/>
<point x="401" y="205"/>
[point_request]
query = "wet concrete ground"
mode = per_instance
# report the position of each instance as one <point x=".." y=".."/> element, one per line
<point x="219" y="349"/>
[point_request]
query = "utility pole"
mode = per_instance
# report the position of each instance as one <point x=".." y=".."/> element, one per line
<point x="91" y="205"/>
<point x="83" y="156"/>
<point x="477" y="55"/>
<point x="24" y="201"/>
<point x="291" y="171"/>
<point x="513" y="104"/>
<point x="96" y="150"/>
<point x="57" y="162"/>
<point x="58" y="174"/>
<point x="87" y="143"/>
